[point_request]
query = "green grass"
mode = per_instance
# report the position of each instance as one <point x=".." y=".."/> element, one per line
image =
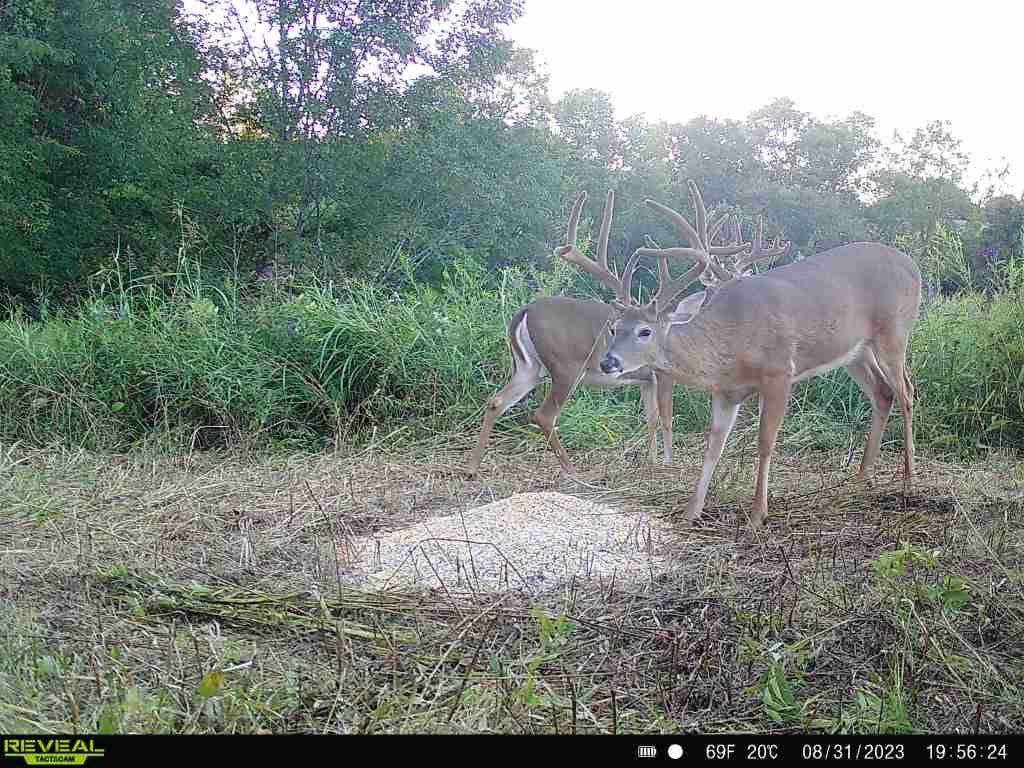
<point x="206" y="366"/>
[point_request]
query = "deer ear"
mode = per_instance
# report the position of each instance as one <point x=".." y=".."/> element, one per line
<point x="687" y="309"/>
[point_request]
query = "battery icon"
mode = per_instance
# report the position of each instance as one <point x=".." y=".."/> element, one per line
<point x="646" y="750"/>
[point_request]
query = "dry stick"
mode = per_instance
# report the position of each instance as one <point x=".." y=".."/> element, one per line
<point x="469" y="547"/>
<point x="469" y="622"/>
<point x="572" y="695"/>
<point x="615" y="712"/>
<point x="464" y="541"/>
<point x="330" y="528"/>
<point x="438" y="576"/>
<point x="465" y="678"/>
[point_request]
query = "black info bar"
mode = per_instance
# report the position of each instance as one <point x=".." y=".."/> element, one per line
<point x="101" y="751"/>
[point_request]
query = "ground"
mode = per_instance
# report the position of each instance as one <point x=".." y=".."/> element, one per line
<point x="201" y="593"/>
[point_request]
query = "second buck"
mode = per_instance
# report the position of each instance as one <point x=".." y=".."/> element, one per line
<point x="566" y="338"/>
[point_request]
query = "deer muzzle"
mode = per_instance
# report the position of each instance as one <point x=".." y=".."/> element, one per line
<point x="611" y="364"/>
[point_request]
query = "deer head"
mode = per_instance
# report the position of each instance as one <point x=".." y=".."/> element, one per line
<point x="636" y="332"/>
<point x="640" y="329"/>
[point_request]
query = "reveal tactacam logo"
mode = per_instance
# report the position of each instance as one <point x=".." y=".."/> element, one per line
<point x="36" y="751"/>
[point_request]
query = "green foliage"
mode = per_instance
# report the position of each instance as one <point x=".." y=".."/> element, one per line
<point x="211" y="684"/>
<point x="876" y="708"/>
<point x="408" y="156"/>
<point x="777" y="695"/>
<point x="339" y="139"/>
<point x="107" y="115"/>
<point x="967" y="359"/>
<point x="210" y="364"/>
<point x="899" y="573"/>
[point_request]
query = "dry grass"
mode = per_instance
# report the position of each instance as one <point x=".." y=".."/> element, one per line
<point x="203" y="593"/>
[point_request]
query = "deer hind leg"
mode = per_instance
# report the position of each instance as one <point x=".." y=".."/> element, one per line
<point x="527" y="374"/>
<point x="723" y="419"/>
<point x="664" y="386"/>
<point x="890" y="355"/>
<point x="546" y="417"/>
<point x="869" y="378"/>
<point x="774" y="399"/>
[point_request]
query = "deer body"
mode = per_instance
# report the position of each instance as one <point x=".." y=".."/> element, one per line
<point x="565" y="339"/>
<point x="756" y="328"/>
<point x="853" y="306"/>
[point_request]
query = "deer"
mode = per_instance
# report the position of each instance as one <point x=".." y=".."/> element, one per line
<point x="564" y="339"/>
<point x="851" y="306"/>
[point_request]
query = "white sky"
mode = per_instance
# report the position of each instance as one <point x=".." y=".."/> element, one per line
<point x="904" y="62"/>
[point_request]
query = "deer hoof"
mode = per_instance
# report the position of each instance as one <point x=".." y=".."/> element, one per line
<point x="692" y="515"/>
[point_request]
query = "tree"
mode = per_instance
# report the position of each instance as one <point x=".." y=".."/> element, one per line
<point x="103" y="103"/>
<point x="331" y="73"/>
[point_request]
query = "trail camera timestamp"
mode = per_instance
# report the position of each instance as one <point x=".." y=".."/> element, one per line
<point x="943" y="751"/>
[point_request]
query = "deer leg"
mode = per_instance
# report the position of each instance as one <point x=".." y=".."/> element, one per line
<point x="907" y="405"/>
<point x="649" y="391"/>
<point x="774" y="398"/>
<point x="664" y="386"/>
<point x="865" y="372"/>
<point x="723" y="418"/>
<point x="890" y="355"/>
<point x="546" y="418"/>
<point x="526" y="377"/>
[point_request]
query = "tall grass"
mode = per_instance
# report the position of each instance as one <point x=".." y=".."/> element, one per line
<point x="207" y="365"/>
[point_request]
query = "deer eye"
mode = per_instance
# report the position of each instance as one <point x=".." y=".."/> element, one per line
<point x="644" y="333"/>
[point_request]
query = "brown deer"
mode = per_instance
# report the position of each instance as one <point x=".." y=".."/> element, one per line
<point x="566" y="338"/>
<point x="853" y="306"/>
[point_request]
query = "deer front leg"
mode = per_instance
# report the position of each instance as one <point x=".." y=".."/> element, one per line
<point x="774" y="397"/>
<point x="664" y="386"/>
<point x="723" y="418"/>
<point x="648" y="390"/>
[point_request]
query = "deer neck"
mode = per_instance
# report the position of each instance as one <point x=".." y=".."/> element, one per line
<point x="688" y="353"/>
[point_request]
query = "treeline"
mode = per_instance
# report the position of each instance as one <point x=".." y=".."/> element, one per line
<point x="346" y="137"/>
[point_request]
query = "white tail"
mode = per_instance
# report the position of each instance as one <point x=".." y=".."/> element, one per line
<point x="851" y="306"/>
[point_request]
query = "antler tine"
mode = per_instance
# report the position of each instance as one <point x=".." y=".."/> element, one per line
<point x="719" y="273"/>
<point x="668" y="289"/>
<point x="697" y="201"/>
<point x="569" y="252"/>
<point x="606" y="224"/>
<point x="758" y="252"/>
<point x="699" y="249"/>
<point x="736" y="246"/>
<point x="627" y="274"/>
<point x="574" y="218"/>
<point x="696" y="250"/>
<point x="716" y="227"/>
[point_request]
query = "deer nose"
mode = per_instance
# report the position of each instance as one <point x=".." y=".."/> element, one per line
<point x="610" y="364"/>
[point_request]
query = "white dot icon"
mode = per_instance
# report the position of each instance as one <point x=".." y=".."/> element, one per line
<point x="675" y="751"/>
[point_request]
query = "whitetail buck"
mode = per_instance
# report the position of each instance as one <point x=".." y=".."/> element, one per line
<point x="850" y="306"/>
<point x="566" y="338"/>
